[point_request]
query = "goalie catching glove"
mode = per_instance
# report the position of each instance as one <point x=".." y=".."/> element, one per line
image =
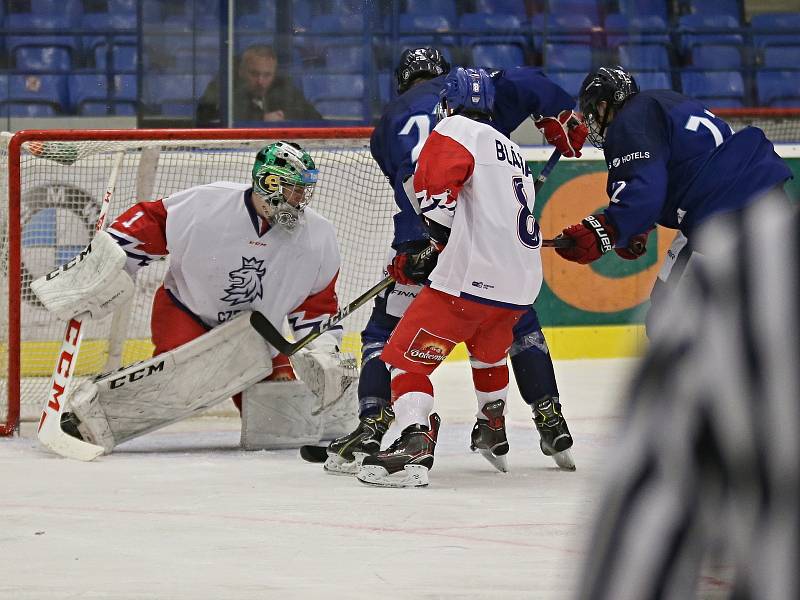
<point x="93" y="282"/>
<point x="566" y="131"/>
<point x="593" y="237"/>
<point x="327" y="372"/>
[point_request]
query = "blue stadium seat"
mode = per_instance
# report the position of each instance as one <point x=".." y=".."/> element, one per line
<point x="564" y="57"/>
<point x="643" y="7"/>
<point x="714" y="7"/>
<point x="497" y="56"/>
<point x="782" y="57"/>
<point x="119" y="7"/>
<point x="343" y="58"/>
<point x="446" y="8"/>
<point x="509" y="7"/>
<point x="491" y="28"/>
<point x="47" y="8"/>
<point x="338" y="24"/>
<point x="89" y="94"/>
<point x="28" y="110"/>
<point x="775" y="28"/>
<point x="92" y="95"/>
<point x="42" y="58"/>
<point x="589" y="8"/>
<point x="336" y="96"/>
<point x="778" y="88"/>
<point x="386" y="86"/>
<point x="321" y="86"/>
<point x="709" y="29"/>
<point x="576" y="29"/>
<point x="716" y="57"/>
<point x="653" y="80"/>
<point x="48" y="90"/>
<point x="105" y="24"/>
<point x="646" y="29"/>
<point x="571" y="82"/>
<point x="173" y="95"/>
<point x="717" y="88"/>
<point x="50" y="29"/>
<point x="341" y="109"/>
<point x="644" y="57"/>
<point x="262" y="20"/>
<point x="425" y="30"/>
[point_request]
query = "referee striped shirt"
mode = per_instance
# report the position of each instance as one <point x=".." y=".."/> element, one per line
<point x="707" y="466"/>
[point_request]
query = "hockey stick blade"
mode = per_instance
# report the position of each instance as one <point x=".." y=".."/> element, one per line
<point x="564" y="242"/>
<point x="270" y="333"/>
<point x="314" y="454"/>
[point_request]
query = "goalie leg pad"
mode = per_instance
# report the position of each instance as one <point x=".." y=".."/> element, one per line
<point x="172" y="386"/>
<point x="278" y="415"/>
<point x="93" y="282"/>
<point x="329" y="375"/>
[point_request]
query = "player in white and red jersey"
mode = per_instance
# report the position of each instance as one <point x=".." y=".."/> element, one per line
<point x="233" y="248"/>
<point x="476" y="196"/>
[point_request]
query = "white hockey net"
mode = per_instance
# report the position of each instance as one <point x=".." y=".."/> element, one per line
<point x="60" y="195"/>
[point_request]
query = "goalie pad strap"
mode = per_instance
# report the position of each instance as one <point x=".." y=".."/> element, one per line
<point x="172" y="386"/>
<point x="93" y="282"/>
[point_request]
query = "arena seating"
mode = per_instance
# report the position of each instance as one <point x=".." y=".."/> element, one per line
<point x="722" y="55"/>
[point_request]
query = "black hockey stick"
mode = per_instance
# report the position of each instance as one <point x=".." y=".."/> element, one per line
<point x="270" y="333"/>
<point x="537" y="185"/>
<point x="546" y="170"/>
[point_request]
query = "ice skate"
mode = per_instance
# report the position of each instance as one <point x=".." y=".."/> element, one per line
<point x="346" y="453"/>
<point x="555" y="438"/>
<point x="489" y="435"/>
<point x="407" y="461"/>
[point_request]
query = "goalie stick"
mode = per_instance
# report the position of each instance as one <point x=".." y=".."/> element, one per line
<point x="49" y="432"/>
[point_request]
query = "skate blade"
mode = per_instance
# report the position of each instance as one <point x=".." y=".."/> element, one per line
<point x="498" y="462"/>
<point x="564" y="460"/>
<point x="410" y="476"/>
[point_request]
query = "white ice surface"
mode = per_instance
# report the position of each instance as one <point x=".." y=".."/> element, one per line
<point x="185" y="514"/>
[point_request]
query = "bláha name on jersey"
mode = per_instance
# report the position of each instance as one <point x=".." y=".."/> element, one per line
<point x="512" y="157"/>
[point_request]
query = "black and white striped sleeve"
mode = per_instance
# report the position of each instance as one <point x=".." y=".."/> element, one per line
<point x="708" y="456"/>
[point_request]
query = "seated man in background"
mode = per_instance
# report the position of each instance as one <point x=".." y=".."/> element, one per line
<point x="260" y="93"/>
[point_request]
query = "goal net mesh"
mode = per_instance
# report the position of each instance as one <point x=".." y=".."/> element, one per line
<point x="62" y="184"/>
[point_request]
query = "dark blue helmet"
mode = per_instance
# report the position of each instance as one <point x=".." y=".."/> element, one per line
<point x="419" y="63"/>
<point x="467" y="91"/>
<point x="612" y="85"/>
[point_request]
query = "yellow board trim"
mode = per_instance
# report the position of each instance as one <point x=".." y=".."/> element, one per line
<point x="606" y="341"/>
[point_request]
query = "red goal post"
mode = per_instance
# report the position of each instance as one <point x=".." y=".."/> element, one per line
<point x="55" y="183"/>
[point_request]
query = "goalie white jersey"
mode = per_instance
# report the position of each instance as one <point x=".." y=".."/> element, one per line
<point x="473" y="179"/>
<point x="225" y="258"/>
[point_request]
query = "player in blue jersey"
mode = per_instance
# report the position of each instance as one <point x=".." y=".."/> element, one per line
<point x="671" y="162"/>
<point x="395" y="145"/>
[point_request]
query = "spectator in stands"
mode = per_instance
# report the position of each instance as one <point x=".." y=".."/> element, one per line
<point x="260" y="93"/>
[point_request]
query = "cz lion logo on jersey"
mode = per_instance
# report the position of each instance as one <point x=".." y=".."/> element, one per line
<point x="246" y="283"/>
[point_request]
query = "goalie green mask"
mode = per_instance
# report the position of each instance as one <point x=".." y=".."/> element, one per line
<point x="284" y="176"/>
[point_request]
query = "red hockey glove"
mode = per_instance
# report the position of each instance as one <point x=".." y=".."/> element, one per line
<point x="592" y="238"/>
<point x="636" y="247"/>
<point x="566" y="132"/>
<point x="412" y="264"/>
